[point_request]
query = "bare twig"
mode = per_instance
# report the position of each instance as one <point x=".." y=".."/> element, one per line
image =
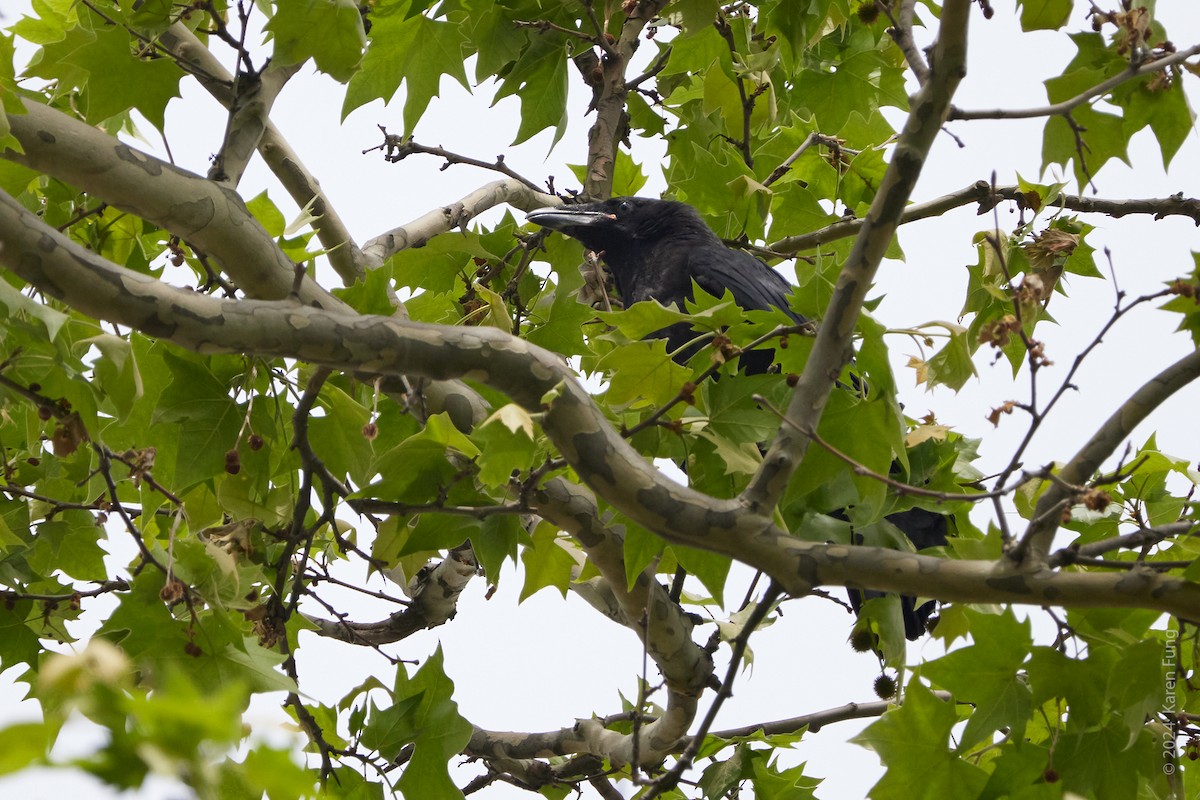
<point x="901" y="32"/>
<point x="1066" y="106"/>
<point x="986" y="195"/>
<point x="397" y="148"/>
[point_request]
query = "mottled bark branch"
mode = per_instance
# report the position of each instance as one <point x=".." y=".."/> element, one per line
<point x="609" y="101"/>
<point x="434" y="602"/>
<point x="279" y="156"/>
<point x="200" y="211"/>
<point x="902" y="34"/>
<point x="1034" y="547"/>
<point x="832" y="349"/>
<point x="249" y="114"/>
<point x="204" y="213"/>
<point x="455" y="215"/>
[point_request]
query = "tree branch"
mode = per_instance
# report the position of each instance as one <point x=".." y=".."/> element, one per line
<point x="455" y="215"/>
<point x="609" y="101"/>
<point x="832" y="348"/>
<point x="1031" y="552"/>
<point x="397" y="148"/>
<point x="987" y="196"/>
<point x="253" y="98"/>
<point x="434" y="602"/>
<point x="1066" y="106"/>
<point x="282" y="160"/>
<point x="901" y="33"/>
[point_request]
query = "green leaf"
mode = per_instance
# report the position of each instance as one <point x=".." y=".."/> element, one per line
<point x="266" y="212"/>
<point x="911" y="740"/>
<point x="208" y="420"/>
<point x="712" y="569"/>
<point x="772" y="783"/>
<point x="506" y="444"/>
<point x="416" y="51"/>
<point x="546" y="563"/>
<point x="1041" y="15"/>
<point x="330" y="32"/>
<point x="117" y="80"/>
<point x="24" y="745"/>
<point x="18" y="304"/>
<point x="987" y="675"/>
<point x="441" y="733"/>
<point x="1106" y="764"/>
<point x="69" y="542"/>
<point x="952" y="365"/>
<point x="642" y="374"/>
<point x="117" y="373"/>
<point x="539" y="79"/>
<point x="1080" y="682"/>
<point x="424" y="463"/>
<point x="18" y="643"/>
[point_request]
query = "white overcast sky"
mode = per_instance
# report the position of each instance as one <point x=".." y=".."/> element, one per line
<point x="539" y="665"/>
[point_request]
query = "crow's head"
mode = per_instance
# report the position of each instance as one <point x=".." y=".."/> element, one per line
<point x="617" y="226"/>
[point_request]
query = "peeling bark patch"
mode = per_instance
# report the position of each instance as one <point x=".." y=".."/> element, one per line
<point x="1013" y="584"/>
<point x="592" y="449"/>
<point x="1133" y="584"/>
<point x="587" y="533"/>
<point x="149" y="166"/>
<point x="196" y="215"/>
<point x="31" y="264"/>
<point x="157" y="327"/>
<point x="807" y="570"/>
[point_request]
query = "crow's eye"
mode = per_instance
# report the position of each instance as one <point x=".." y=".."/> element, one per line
<point x="624" y="207"/>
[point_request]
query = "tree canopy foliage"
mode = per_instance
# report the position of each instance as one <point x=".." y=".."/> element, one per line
<point x="269" y="417"/>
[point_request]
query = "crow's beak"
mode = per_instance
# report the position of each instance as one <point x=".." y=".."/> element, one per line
<point x="566" y="217"/>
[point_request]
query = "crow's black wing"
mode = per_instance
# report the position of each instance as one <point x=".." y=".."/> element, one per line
<point x="754" y="285"/>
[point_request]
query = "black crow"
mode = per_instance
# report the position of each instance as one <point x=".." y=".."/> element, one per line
<point x="655" y="249"/>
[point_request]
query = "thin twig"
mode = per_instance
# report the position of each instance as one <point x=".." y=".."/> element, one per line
<point x="1066" y="106"/>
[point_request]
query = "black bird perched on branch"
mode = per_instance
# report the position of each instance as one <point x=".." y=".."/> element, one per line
<point x="655" y="250"/>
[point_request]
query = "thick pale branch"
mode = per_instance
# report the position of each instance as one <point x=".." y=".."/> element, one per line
<point x="283" y="161"/>
<point x="1066" y="106"/>
<point x="983" y="193"/>
<point x="434" y="602"/>
<point x="455" y="215"/>
<point x="832" y="348"/>
<point x="205" y="214"/>
<point x="200" y="211"/>
<point x="248" y="117"/>
<point x="660" y="623"/>
<point x="1034" y="546"/>
<point x="610" y="92"/>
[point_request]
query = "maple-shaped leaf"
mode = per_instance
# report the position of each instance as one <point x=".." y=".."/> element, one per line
<point x="416" y="51"/>
<point x="119" y="79"/>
